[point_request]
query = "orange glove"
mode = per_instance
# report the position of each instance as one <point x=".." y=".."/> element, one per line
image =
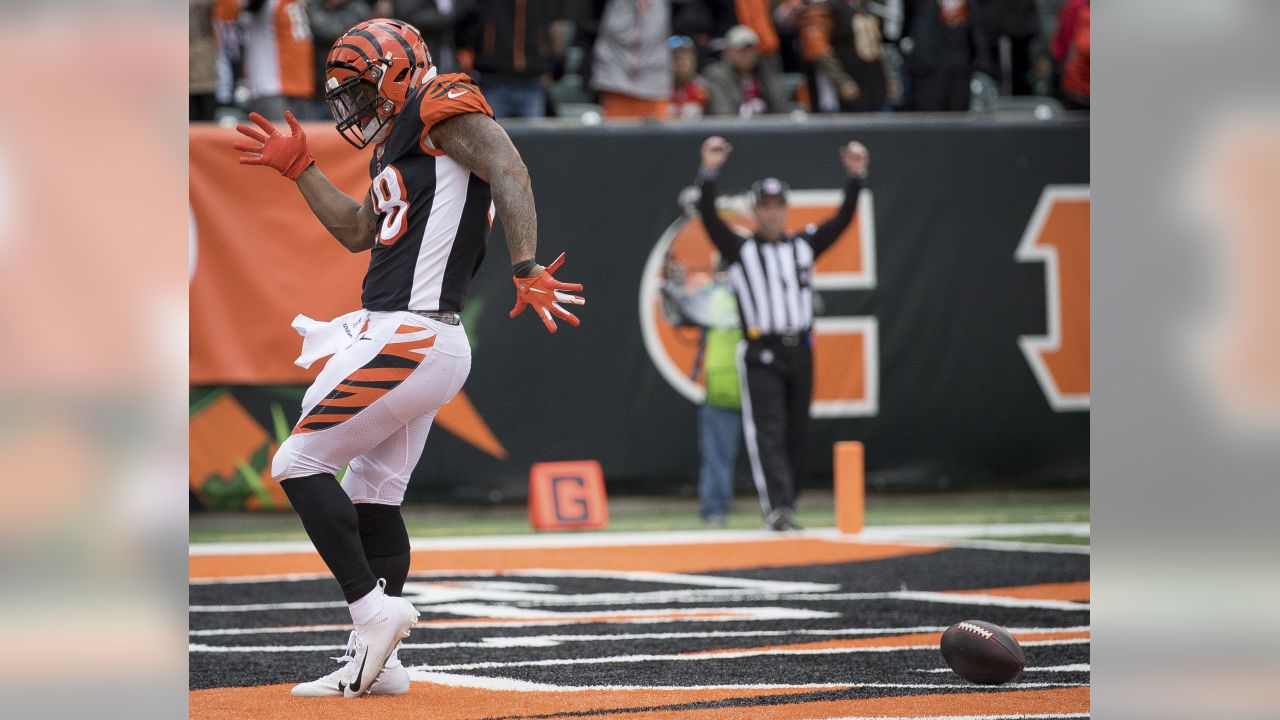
<point x="288" y="156"/>
<point x="545" y="293"/>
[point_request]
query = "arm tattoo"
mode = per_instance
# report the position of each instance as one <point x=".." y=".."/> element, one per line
<point x="479" y="144"/>
<point x="367" y="219"/>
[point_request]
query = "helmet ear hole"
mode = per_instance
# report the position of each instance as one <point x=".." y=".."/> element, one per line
<point x="404" y="72"/>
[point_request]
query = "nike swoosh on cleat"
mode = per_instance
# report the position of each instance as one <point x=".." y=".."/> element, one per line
<point x="355" y="684"/>
<point x="341" y="686"/>
<point x="459" y="93"/>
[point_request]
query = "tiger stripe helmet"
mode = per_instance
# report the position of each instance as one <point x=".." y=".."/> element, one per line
<point x="370" y="73"/>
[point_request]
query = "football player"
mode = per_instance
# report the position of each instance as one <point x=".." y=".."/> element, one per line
<point x="439" y="167"/>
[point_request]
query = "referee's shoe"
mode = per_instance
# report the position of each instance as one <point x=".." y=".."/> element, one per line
<point x="781" y="519"/>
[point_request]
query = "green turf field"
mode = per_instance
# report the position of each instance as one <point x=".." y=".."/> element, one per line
<point x="650" y="514"/>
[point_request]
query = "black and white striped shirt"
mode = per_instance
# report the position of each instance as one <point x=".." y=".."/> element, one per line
<point x="773" y="280"/>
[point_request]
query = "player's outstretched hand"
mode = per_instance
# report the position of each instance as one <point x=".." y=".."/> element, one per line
<point x="288" y="156"/>
<point x="855" y="158"/>
<point x="545" y="293"/>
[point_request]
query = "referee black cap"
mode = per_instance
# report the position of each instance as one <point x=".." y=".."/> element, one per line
<point x="767" y="188"/>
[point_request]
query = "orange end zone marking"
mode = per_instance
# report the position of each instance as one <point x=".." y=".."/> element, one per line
<point x="453" y="703"/>
<point x="687" y="558"/>
<point x="1069" y="591"/>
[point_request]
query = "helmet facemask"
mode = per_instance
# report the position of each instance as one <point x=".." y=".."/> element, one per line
<point x="355" y="106"/>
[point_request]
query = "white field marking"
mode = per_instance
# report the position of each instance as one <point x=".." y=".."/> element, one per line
<point x="690" y="579"/>
<point x="938" y="597"/>
<point x="267" y="606"/>
<point x="717" y="655"/>
<point x="271" y="630"/>
<point x="702" y="635"/>
<point x="872" y="536"/>
<point x="928" y="532"/>
<point x="707" y="588"/>
<point x="1013" y="546"/>
<point x="546" y="641"/>
<point x="1077" y="668"/>
<point x="507" y="611"/>
<point x="417" y="674"/>
<point x="488" y="643"/>
<point x="501" y="615"/>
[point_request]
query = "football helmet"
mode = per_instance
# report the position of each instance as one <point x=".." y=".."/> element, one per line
<point x="370" y="73"/>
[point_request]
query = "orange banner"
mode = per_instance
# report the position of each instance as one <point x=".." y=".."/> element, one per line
<point x="259" y="258"/>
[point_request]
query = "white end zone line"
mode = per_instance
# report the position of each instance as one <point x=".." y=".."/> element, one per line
<point x="557" y="639"/>
<point x="512" y="685"/>
<point x="1076" y="668"/>
<point x="884" y="534"/>
<point x="712" y="656"/>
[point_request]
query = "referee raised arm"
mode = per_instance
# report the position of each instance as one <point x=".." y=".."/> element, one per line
<point x="771" y="273"/>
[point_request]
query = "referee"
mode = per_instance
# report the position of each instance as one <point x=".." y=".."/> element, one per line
<point x="771" y="273"/>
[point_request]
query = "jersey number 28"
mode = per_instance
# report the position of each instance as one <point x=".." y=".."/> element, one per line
<point x="393" y="206"/>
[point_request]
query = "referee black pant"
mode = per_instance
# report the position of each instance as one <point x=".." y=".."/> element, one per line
<point x="777" y="379"/>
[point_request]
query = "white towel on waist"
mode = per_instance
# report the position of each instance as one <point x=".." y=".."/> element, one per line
<point x="321" y="339"/>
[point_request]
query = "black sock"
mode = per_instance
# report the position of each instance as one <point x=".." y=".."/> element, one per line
<point x="386" y="544"/>
<point x="331" y="522"/>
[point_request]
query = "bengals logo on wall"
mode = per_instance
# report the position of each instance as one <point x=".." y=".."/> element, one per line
<point x="846" y="376"/>
<point x="1058" y="236"/>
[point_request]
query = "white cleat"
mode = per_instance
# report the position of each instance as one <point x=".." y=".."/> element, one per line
<point x="375" y="641"/>
<point x="391" y="681"/>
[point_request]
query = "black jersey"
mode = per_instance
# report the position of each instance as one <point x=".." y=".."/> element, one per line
<point x="433" y="214"/>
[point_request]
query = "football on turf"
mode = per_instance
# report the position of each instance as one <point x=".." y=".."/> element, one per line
<point x="982" y="652"/>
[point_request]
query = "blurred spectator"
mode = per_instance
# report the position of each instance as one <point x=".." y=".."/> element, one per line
<point x="279" y="56"/>
<point x="202" y="77"/>
<point x="720" y="417"/>
<point x="508" y="45"/>
<point x="1071" y="49"/>
<point x="941" y="48"/>
<point x="631" y="64"/>
<point x="740" y="84"/>
<point x="330" y="20"/>
<point x="435" y="19"/>
<point x="755" y="15"/>
<point x="689" y="93"/>
<point x="841" y="41"/>
<point x="1008" y="28"/>
<point x="703" y="21"/>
